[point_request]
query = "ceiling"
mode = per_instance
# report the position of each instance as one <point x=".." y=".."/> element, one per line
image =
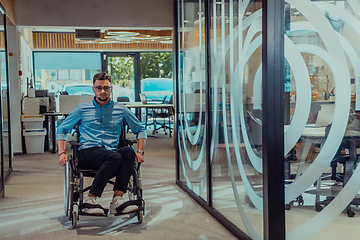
<point x="113" y="35"/>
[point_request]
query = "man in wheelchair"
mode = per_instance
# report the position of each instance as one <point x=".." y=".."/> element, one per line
<point x="100" y="124"/>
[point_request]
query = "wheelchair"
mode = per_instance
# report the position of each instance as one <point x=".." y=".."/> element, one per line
<point x="74" y="187"/>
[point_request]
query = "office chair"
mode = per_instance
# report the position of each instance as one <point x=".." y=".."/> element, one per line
<point x="349" y="161"/>
<point x="123" y="99"/>
<point x="162" y="113"/>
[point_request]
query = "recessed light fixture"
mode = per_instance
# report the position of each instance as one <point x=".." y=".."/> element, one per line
<point x="144" y="38"/>
<point x="166" y="42"/>
<point x="122" y="33"/>
<point x="108" y="42"/>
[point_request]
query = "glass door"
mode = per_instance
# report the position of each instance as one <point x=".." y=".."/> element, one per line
<point x="121" y="68"/>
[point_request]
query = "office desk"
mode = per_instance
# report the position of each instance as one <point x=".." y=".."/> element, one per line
<point x="313" y="135"/>
<point x="52" y="116"/>
<point x="310" y="135"/>
<point x="149" y="105"/>
<point x="140" y="105"/>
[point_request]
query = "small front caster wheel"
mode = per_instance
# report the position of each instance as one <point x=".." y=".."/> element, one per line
<point x="140" y="216"/>
<point x="74" y="219"/>
<point x="318" y="208"/>
<point x="287" y="206"/>
<point x="350" y="213"/>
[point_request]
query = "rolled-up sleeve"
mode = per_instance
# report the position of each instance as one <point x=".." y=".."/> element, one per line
<point x="68" y="124"/>
<point x="135" y="125"/>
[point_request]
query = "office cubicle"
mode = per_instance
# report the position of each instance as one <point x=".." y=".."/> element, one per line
<point x="266" y="68"/>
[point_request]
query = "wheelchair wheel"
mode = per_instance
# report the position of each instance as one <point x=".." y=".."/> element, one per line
<point x="74" y="219"/>
<point x="131" y="186"/>
<point x="134" y="186"/>
<point x="68" y="188"/>
<point x="140" y="216"/>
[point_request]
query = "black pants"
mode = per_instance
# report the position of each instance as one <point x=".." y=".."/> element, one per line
<point x="118" y="163"/>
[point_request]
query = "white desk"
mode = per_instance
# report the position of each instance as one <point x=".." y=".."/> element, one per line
<point x="149" y="105"/>
<point x="316" y="135"/>
<point x="310" y="135"/>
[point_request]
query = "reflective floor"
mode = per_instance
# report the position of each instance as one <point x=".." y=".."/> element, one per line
<point x="33" y="207"/>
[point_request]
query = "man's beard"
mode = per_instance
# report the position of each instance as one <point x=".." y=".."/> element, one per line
<point x="103" y="99"/>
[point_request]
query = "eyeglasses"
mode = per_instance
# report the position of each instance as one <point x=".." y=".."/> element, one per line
<point x="106" y="88"/>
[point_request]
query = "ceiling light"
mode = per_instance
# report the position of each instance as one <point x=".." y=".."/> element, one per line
<point x="107" y="42"/>
<point x="145" y="38"/>
<point x="109" y="37"/>
<point x="166" y="42"/>
<point x="123" y="39"/>
<point x="122" y="33"/>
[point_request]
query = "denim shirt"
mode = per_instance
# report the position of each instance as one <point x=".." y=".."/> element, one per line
<point x="100" y="125"/>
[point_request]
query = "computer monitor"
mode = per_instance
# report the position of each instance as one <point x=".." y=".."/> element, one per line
<point x="325" y="115"/>
<point x="41" y="93"/>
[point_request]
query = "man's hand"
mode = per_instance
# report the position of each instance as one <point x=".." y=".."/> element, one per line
<point x="139" y="157"/>
<point x="63" y="158"/>
<point x="141" y="146"/>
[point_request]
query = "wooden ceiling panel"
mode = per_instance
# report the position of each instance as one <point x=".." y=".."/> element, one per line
<point x="111" y="39"/>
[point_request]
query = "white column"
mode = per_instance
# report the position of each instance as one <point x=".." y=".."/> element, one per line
<point x="14" y="86"/>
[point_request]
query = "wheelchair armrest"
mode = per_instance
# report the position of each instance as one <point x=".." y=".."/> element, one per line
<point x="129" y="142"/>
<point x="74" y="144"/>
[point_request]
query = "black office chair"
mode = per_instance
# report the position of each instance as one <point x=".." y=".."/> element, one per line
<point x="349" y="161"/>
<point x="164" y="114"/>
<point x="123" y="99"/>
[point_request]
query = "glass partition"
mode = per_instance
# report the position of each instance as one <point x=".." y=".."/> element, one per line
<point x="235" y="108"/>
<point x="236" y="150"/>
<point x="69" y="72"/>
<point x="191" y="92"/>
<point x="5" y="123"/>
<point x="322" y="132"/>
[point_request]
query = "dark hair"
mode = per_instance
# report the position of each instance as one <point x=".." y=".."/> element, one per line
<point x="101" y="76"/>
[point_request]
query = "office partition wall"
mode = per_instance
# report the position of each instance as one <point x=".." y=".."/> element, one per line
<point x="220" y="110"/>
<point x="6" y="164"/>
<point x="322" y="55"/>
<point x="267" y="114"/>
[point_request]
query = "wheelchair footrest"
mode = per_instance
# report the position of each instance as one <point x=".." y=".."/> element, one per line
<point x="138" y="203"/>
<point x="89" y="206"/>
